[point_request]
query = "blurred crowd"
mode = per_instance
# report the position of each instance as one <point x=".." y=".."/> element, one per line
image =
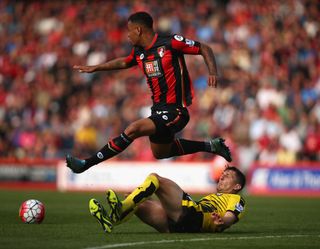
<point x="267" y="104"/>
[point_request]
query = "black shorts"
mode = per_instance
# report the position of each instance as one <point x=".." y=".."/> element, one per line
<point x="168" y="121"/>
<point x="190" y="220"/>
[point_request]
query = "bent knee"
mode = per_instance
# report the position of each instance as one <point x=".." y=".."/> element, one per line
<point x="133" y="131"/>
<point x="142" y="127"/>
<point x="155" y="175"/>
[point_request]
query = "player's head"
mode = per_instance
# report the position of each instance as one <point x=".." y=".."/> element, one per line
<point x="142" y="18"/>
<point x="139" y="23"/>
<point x="231" y="181"/>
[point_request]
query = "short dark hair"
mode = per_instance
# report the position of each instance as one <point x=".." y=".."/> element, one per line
<point x="241" y="179"/>
<point x="142" y="18"/>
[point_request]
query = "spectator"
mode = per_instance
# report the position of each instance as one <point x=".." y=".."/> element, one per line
<point x="269" y="74"/>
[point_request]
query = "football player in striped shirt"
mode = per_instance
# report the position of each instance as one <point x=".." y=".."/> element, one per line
<point x="161" y="59"/>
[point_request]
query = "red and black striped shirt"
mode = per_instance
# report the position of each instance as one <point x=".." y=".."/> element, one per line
<point x="164" y="65"/>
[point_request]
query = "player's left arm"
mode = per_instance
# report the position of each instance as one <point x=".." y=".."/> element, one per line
<point x="187" y="46"/>
<point x="222" y="223"/>
<point x="210" y="61"/>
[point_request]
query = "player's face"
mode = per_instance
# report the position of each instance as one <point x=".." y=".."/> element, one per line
<point x="134" y="31"/>
<point x="228" y="182"/>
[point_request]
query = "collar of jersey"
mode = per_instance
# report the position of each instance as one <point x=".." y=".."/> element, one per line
<point x="153" y="41"/>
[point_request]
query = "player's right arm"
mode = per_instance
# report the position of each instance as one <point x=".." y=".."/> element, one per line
<point x="119" y="63"/>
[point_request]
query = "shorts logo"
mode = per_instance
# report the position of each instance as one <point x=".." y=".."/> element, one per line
<point x="152" y="68"/>
<point x="165" y="117"/>
<point x="178" y="37"/>
<point x="141" y="56"/>
<point x="100" y="155"/>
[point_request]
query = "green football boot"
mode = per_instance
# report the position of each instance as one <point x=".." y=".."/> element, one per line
<point x="115" y="206"/>
<point x="220" y="148"/>
<point x="75" y="164"/>
<point x="97" y="211"/>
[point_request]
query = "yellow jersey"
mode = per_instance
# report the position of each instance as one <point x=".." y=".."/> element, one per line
<point x="220" y="203"/>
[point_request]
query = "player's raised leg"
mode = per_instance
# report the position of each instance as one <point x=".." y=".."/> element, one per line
<point x="180" y="147"/>
<point x="152" y="213"/>
<point x="112" y="148"/>
<point x="142" y="127"/>
<point x="169" y="193"/>
<point x="123" y="210"/>
<point x="170" y="196"/>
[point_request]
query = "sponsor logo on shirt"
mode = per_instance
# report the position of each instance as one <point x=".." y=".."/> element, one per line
<point x="152" y="68"/>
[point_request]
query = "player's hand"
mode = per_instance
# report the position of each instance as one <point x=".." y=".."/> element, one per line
<point x="217" y="220"/>
<point x="213" y="80"/>
<point x="84" y="69"/>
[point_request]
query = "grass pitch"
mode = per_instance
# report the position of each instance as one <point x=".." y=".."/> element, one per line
<point x="276" y="222"/>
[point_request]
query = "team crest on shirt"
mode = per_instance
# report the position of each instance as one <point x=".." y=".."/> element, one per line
<point x="161" y="51"/>
<point x="178" y="37"/>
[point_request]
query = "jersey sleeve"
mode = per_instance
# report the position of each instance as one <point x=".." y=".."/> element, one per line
<point x="184" y="45"/>
<point x="131" y="59"/>
<point x="236" y="206"/>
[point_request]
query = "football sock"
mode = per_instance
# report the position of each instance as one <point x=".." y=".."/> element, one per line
<point x="183" y="147"/>
<point x="112" y="148"/>
<point x="140" y="194"/>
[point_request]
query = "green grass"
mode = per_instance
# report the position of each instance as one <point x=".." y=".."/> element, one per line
<point x="269" y="223"/>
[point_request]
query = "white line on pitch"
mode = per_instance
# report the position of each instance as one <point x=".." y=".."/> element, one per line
<point x="202" y="239"/>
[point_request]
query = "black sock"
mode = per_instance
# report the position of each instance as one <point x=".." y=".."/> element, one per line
<point x="112" y="148"/>
<point x="183" y="147"/>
